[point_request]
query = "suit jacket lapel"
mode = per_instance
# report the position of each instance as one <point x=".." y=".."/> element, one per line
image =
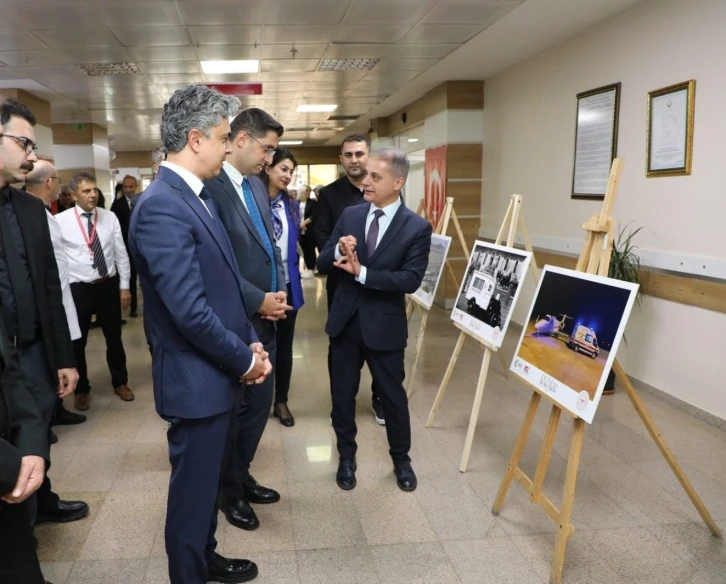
<point x="390" y="235"/>
<point x="360" y="233"/>
<point x="232" y="193"/>
<point x="27" y="228"/>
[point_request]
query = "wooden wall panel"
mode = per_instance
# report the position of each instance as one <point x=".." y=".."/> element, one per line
<point x="470" y="227"/>
<point x="72" y="134"/>
<point x="317" y="154"/>
<point x="464" y="161"/>
<point x="39" y="107"/>
<point x="132" y="159"/>
<point x="467" y="197"/>
<point x="67" y="174"/>
<point x="464" y="95"/>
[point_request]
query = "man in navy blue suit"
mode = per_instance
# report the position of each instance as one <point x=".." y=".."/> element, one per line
<point x="204" y="347"/>
<point x="383" y="249"/>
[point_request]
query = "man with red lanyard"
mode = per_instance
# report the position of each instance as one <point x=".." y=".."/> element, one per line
<point x="99" y="272"/>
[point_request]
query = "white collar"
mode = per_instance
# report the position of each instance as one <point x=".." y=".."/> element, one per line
<point x="389" y="210"/>
<point x="188" y="177"/>
<point x="234" y="175"/>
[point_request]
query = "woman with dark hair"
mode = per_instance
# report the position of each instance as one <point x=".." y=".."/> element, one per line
<point x="286" y="226"/>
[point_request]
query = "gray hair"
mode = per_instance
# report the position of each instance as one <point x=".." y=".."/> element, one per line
<point x="397" y="161"/>
<point x="196" y="107"/>
<point x="158" y="155"/>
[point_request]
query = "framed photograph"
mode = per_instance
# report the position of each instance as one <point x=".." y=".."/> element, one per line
<point x="571" y="335"/>
<point x="489" y="291"/>
<point x="437" y="259"/>
<point x="596" y="141"/>
<point x="670" y="130"/>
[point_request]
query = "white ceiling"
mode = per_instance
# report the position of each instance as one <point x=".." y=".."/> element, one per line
<point x="42" y="42"/>
<point x="420" y="43"/>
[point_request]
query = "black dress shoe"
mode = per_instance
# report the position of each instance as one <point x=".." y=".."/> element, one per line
<point x="287" y="421"/>
<point x="258" y="494"/>
<point x="52" y="437"/>
<point x="240" y="514"/>
<point x="134" y="313"/>
<point x="65" y="512"/>
<point x="230" y="571"/>
<point x="346" y="474"/>
<point x="65" y="418"/>
<point x="405" y="477"/>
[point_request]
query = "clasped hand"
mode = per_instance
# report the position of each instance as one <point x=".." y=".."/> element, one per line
<point x="261" y="367"/>
<point x="349" y="260"/>
<point x="274" y="306"/>
<point x="30" y="477"/>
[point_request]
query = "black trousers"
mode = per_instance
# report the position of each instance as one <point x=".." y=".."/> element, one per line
<point x="283" y="366"/>
<point x="374" y="390"/>
<point x="18" y="559"/>
<point x="32" y="360"/>
<point x="349" y="352"/>
<point x="307" y="243"/>
<point x="252" y="417"/>
<point x="104" y="300"/>
<point x="132" y="285"/>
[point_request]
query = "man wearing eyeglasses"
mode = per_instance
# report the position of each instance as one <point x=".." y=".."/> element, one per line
<point x="244" y="209"/>
<point x="30" y="290"/>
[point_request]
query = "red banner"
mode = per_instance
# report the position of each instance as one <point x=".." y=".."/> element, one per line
<point x="435" y="188"/>
<point x="237" y="88"/>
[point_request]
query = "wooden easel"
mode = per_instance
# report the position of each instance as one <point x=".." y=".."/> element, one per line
<point x="594" y="259"/>
<point x="513" y="219"/>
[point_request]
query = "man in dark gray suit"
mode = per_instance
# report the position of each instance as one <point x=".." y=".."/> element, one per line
<point x="244" y="210"/>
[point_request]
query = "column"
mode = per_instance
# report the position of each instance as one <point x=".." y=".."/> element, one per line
<point x="83" y="147"/>
<point x="41" y="111"/>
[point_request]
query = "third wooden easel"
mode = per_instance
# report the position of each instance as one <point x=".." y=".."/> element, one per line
<point x="594" y="259"/>
<point x="513" y="220"/>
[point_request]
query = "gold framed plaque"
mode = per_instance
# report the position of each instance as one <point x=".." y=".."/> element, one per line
<point x="669" y="142"/>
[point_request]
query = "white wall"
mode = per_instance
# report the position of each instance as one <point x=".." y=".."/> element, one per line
<point x="529" y="126"/>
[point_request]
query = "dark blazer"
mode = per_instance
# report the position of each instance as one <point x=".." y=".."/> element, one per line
<point x="252" y="259"/>
<point x="122" y="208"/>
<point x="21" y="428"/>
<point x="334" y="199"/>
<point x="33" y="221"/>
<point x="292" y="212"/>
<point x="194" y="313"/>
<point x="395" y="269"/>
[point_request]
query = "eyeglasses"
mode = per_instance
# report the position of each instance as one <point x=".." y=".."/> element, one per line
<point x="268" y="149"/>
<point x="26" y="143"/>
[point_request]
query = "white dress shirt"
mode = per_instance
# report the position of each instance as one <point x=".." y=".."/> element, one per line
<point x="196" y="185"/>
<point x="383" y="223"/>
<point x="56" y="238"/>
<point x="236" y="177"/>
<point x="80" y="262"/>
<point x="283" y="242"/>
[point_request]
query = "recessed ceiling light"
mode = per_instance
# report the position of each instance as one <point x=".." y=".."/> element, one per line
<point x="413" y="140"/>
<point x="290" y="142"/>
<point x="223" y="67"/>
<point x="316" y="108"/>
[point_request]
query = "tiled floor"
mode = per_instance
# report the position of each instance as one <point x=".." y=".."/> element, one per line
<point x="633" y="521"/>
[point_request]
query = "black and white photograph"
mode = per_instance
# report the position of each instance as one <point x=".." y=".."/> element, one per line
<point x="437" y="259"/>
<point x="489" y="290"/>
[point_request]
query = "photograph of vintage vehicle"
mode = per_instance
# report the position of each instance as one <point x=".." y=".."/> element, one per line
<point x="489" y="290"/>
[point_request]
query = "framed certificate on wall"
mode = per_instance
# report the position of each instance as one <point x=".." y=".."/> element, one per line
<point x="670" y="130"/>
<point x="596" y="141"/>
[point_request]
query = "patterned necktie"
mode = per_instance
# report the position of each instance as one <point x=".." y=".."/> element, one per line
<point x="259" y="224"/>
<point x="275" y="207"/>
<point x="372" y="238"/>
<point x="99" y="260"/>
<point x="206" y="197"/>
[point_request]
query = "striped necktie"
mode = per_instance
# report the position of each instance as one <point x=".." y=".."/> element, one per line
<point x="99" y="260"/>
<point x="259" y="224"/>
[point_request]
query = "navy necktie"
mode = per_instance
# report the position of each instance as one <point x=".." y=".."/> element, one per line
<point x="99" y="260"/>
<point x="206" y="197"/>
<point x="373" y="230"/>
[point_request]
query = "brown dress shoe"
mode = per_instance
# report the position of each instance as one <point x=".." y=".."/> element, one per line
<point x="81" y="401"/>
<point x="124" y="392"/>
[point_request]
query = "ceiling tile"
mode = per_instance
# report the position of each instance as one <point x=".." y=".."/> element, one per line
<point x="417" y="51"/>
<point x="388" y="12"/>
<point x="98" y="54"/>
<point x="305" y="12"/>
<point x="163" y="53"/>
<point x="11" y="40"/>
<point x="227" y="52"/>
<point x="131" y="36"/>
<point x="282" y="51"/>
<point x="295" y="34"/>
<point x="170" y="66"/>
<point x="273" y="77"/>
<point x="136" y="13"/>
<point x="56" y="15"/>
<point x="443" y="33"/>
<point x="166" y="79"/>
<point x="34" y="58"/>
<point x="470" y="11"/>
<point x="358" y="51"/>
<point x="399" y="64"/>
<point x="231" y="78"/>
<point x="225" y="35"/>
<point x="73" y="37"/>
<point x="337" y="76"/>
<point x="371" y="33"/>
<point x="222" y="12"/>
<point x="291" y="65"/>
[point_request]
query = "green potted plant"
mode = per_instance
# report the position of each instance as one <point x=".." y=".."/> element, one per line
<point x="624" y="265"/>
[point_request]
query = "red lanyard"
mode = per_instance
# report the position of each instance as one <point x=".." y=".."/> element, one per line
<point x="88" y="238"/>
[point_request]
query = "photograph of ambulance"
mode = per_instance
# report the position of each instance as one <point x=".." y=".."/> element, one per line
<point x="489" y="290"/>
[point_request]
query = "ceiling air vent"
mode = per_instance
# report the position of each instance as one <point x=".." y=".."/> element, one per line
<point x="300" y="129"/>
<point x="107" y="69"/>
<point x="347" y="64"/>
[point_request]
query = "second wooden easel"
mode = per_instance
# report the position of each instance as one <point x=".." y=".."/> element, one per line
<point x="594" y="259"/>
<point x="513" y="220"/>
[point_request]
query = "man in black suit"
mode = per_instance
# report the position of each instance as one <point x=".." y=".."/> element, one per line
<point x="244" y="209"/>
<point x="333" y="200"/>
<point x="30" y="292"/>
<point x="122" y="207"/>
<point x="380" y="250"/>
<point x="23" y="454"/>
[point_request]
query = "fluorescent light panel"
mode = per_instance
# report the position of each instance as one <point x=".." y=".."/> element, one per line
<point x="316" y="108"/>
<point x="290" y="142"/>
<point x="225" y="67"/>
<point x="412" y="140"/>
